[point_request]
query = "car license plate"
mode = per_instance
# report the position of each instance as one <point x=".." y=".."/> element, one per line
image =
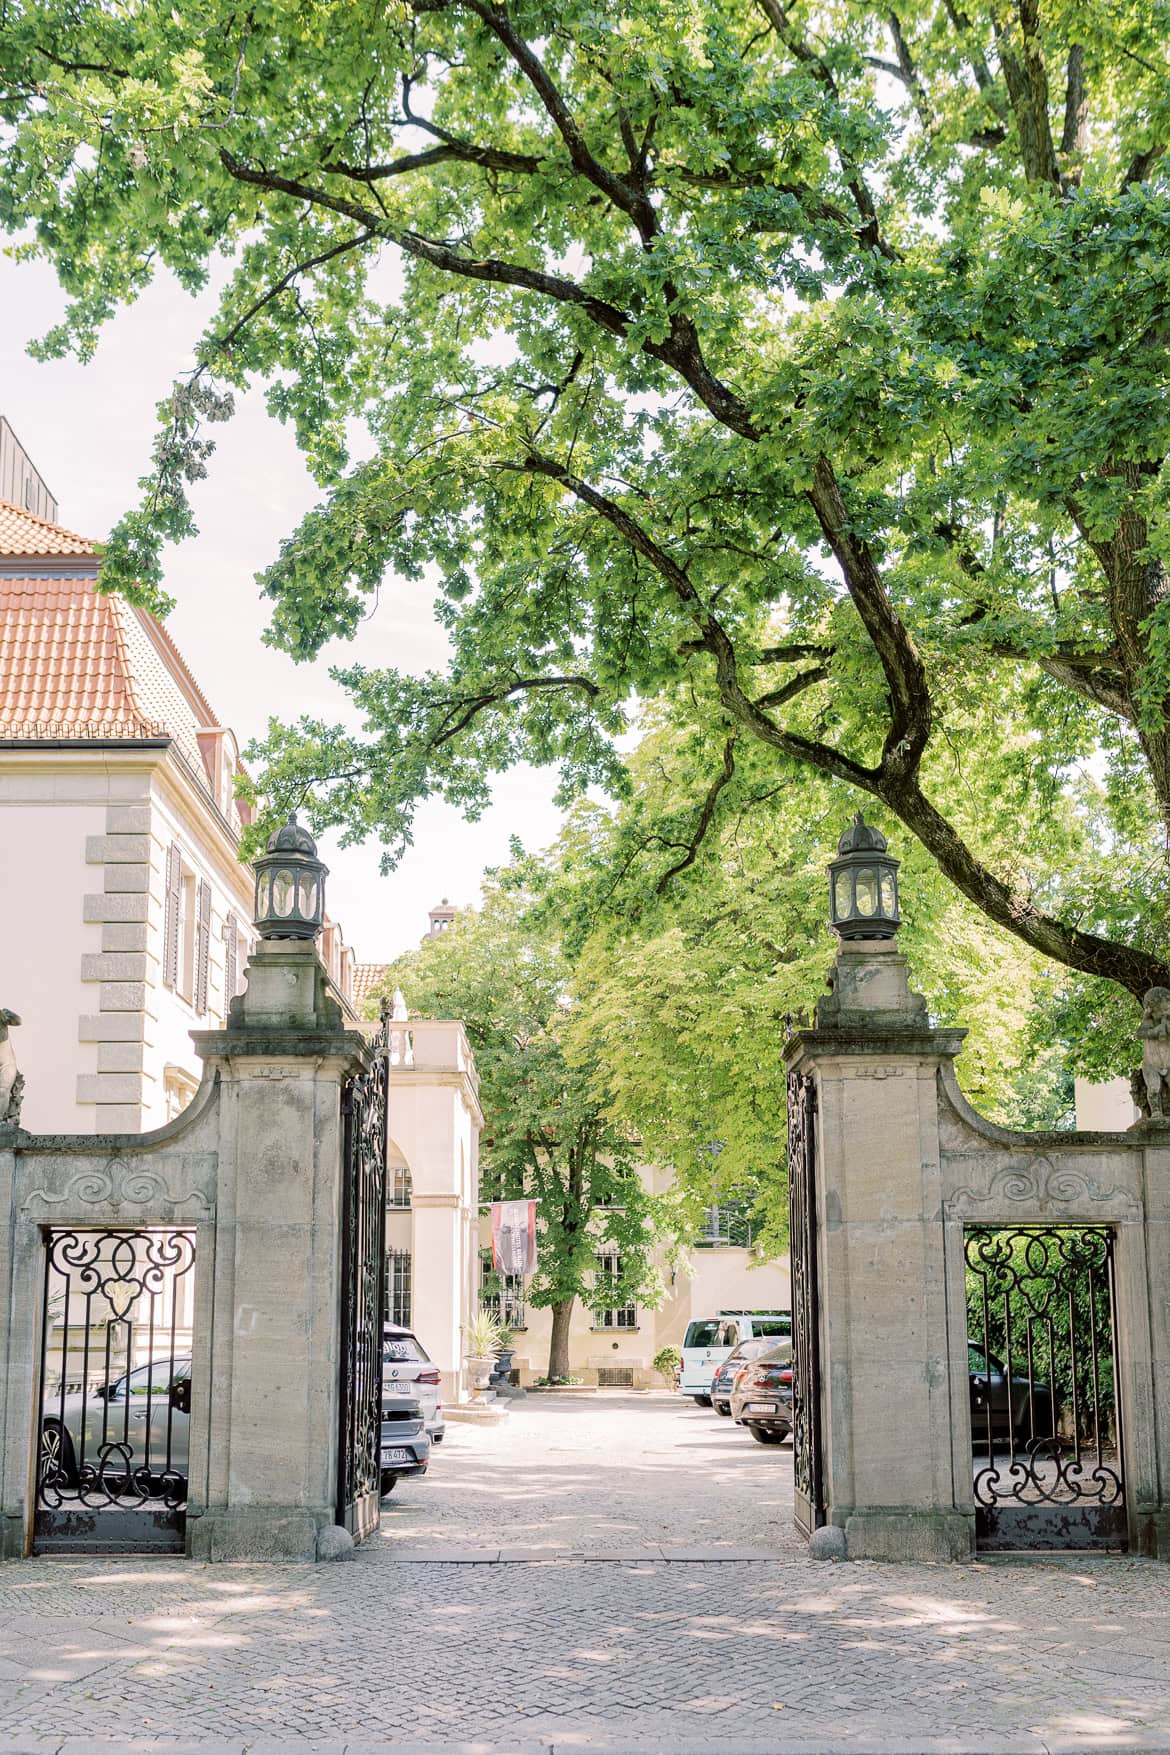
<point x="395" y="1456"/>
<point x="760" y="1408"/>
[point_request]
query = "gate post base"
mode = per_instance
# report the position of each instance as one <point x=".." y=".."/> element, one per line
<point x="1152" y="1534"/>
<point x="261" y="1532"/>
<point x="909" y="1535"/>
<point x="13" y="1542"/>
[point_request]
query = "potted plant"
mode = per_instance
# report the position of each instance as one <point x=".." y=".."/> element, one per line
<point x="666" y="1363"/>
<point x="481" y="1337"/>
<point x="505" y="1352"/>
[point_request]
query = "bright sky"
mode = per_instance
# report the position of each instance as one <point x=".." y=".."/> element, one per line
<point x="89" y="429"/>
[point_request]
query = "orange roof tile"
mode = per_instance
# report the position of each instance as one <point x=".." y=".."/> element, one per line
<point x="22" y="533"/>
<point x="367" y="981"/>
<point x="64" y="664"/>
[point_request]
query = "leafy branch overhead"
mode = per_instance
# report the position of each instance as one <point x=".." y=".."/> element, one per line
<point x="804" y="364"/>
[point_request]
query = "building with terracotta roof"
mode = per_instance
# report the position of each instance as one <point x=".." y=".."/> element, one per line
<point x="127" y="911"/>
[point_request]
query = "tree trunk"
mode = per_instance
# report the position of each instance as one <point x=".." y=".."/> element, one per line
<point x="558" y="1349"/>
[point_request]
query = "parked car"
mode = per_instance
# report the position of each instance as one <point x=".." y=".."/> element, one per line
<point x="140" y="1420"/>
<point x="709" y="1340"/>
<point x="761" y="1399"/>
<point x="1026" y="1414"/>
<point x="736" y="1361"/>
<point x="406" y="1448"/>
<point x="407" y="1371"/>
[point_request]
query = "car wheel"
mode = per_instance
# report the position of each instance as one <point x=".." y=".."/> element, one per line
<point x="57" y="1466"/>
<point x="702" y="1401"/>
<point x="722" y="1408"/>
<point x="389" y="1482"/>
<point x="766" y="1435"/>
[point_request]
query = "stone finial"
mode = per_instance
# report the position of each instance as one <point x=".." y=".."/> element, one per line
<point x="11" y="1079"/>
<point x="1155" y="1034"/>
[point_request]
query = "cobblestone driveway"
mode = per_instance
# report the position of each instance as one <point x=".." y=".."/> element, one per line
<point x="678" y="1642"/>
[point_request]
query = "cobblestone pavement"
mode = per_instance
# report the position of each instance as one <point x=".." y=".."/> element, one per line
<point x="680" y="1642"/>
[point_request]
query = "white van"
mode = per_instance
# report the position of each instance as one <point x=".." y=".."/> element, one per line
<point x="709" y="1339"/>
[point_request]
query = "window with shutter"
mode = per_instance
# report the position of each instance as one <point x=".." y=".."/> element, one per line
<point x="202" y="944"/>
<point x="171" y="918"/>
<point x="231" y="933"/>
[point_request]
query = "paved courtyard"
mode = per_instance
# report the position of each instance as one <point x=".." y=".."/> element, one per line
<point x="612" y="1571"/>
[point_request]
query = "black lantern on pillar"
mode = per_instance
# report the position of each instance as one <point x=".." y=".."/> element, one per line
<point x="863" y="885"/>
<point x="290" y="885"/>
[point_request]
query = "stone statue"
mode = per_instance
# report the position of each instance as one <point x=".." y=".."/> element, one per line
<point x="11" y="1080"/>
<point x="1155" y="1035"/>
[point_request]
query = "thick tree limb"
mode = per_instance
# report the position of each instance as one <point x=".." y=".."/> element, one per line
<point x="905" y="673"/>
<point x="1027" y="82"/>
<point x="680" y="350"/>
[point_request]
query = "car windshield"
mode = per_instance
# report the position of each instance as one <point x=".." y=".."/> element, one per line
<point x="402" y="1350"/>
<point x="700" y="1334"/>
<point x="155" y="1379"/>
<point x="746" y="1350"/>
<point x="781" y="1354"/>
<point x="773" y="1325"/>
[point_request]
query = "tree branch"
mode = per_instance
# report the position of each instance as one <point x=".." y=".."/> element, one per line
<point x="905" y="674"/>
<point x="795" y="686"/>
<point x="1027" y="82"/>
<point x="470" y="705"/>
<point x="706" y="814"/>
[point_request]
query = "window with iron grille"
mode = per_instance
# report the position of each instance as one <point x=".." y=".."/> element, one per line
<point x="398" y="1287"/>
<point x="502" y="1295"/>
<point x="400" y="1186"/>
<point x="607" y="1274"/>
<point x="727" y="1226"/>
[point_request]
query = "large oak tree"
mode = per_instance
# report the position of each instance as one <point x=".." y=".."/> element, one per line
<point x="808" y="361"/>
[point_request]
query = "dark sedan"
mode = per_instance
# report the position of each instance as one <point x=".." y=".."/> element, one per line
<point x="1018" y="1409"/>
<point x="724" y="1379"/>
<point x="762" y="1397"/>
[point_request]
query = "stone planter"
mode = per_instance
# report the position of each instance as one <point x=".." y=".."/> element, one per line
<point x="481" y="1372"/>
<point x="502" y="1371"/>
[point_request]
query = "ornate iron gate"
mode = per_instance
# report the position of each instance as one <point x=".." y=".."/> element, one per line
<point x="1042" y="1369"/>
<point x="802" y="1218"/>
<point x="363" y="1285"/>
<point x="114" y="1408"/>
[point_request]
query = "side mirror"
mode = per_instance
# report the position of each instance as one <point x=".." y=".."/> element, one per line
<point x="180" y="1397"/>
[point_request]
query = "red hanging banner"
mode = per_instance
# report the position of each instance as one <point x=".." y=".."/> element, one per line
<point x="514" y="1236"/>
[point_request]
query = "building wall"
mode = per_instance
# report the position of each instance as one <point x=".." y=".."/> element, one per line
<point x="170" y="1059"/>
<point x="45" y="821"/>
<point x="85" y="833"/>
<point x="1104" y="1108"/>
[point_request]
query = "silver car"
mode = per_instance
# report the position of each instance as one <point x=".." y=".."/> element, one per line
<point x="407" y="1371"/>
<point x="142" y="1421"/>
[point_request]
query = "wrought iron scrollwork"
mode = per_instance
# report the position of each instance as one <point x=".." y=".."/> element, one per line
<point x="1045" y="1417"/>
<point x="114" y="1387"/>
<point x="802" y="1215"/>
<point x="365" y="1141"/>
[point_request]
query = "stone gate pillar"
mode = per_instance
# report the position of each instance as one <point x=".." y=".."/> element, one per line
<point x="887" y="1475"/>
<point x="275" y="1390"/>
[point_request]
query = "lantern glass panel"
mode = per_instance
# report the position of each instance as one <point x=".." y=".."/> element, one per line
<point x="889" y="897"/>
<point x="282" y="893"/>
<point x="307" y="897"/>
<point x="263" y="887"/>
<point x="841" y="906"/>
<point x="865" y="888"/>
